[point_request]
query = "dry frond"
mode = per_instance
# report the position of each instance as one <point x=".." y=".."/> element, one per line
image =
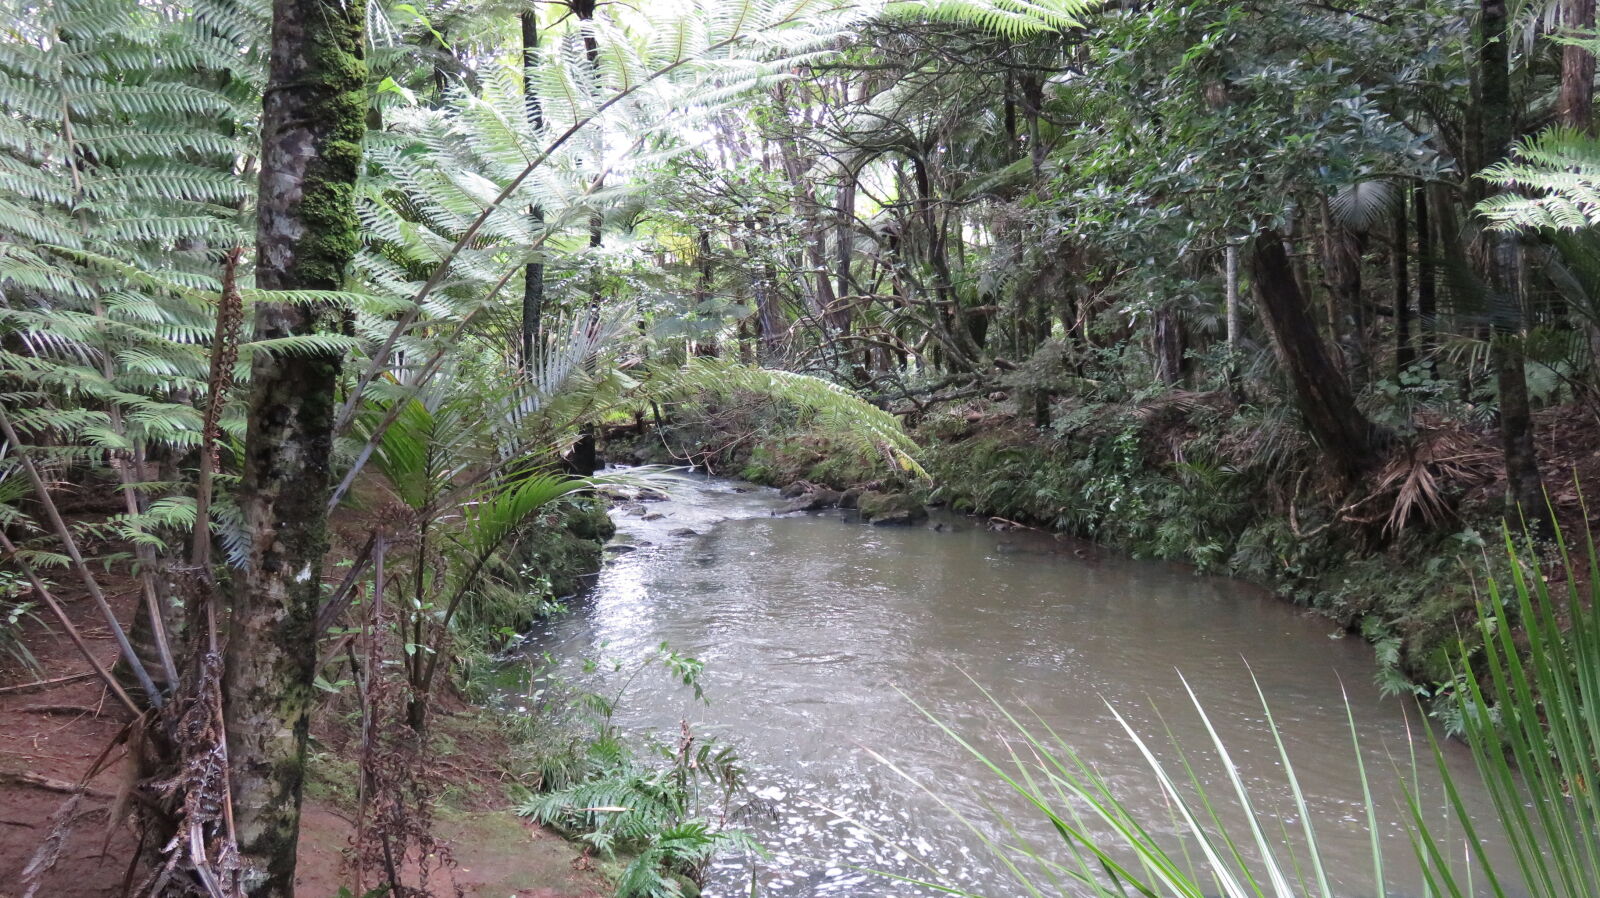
<point x="1420" y="473"/>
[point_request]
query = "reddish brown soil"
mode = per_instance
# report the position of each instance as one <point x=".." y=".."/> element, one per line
<point x="50" y="737"/>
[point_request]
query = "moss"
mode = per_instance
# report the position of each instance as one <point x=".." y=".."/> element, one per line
<point x="327" y="206"/>
<point x="332" y="779"/>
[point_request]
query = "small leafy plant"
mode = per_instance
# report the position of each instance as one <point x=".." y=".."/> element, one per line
<point x="668" y="805"/>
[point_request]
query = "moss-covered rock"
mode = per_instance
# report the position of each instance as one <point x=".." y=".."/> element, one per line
<point x="569" y="551"/>
<point x="891" y="508"/>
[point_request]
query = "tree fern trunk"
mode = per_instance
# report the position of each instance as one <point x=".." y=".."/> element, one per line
<point x="312" y="124"/>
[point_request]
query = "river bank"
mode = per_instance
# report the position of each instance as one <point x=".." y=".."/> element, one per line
<point x="1192" y="478"/>
<point x="63" y="736"/>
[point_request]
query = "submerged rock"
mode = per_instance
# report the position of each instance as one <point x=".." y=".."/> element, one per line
<point x="816" y="500"/>
<point x="796" y="490"/>
<point x="891" y="508"/>
<point x="654" y="516"/>
<point x="684" y="531"/>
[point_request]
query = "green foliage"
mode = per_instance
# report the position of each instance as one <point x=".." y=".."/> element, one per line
<point x="1012" y="19"/>
<point x="14" y="612"/>
<point x="1552" y="181"/>
<point x="1102" y="484"/>
<point x="828" y="406"/>
<point x="668" y="812"/>
<point x="1531" y="714"/>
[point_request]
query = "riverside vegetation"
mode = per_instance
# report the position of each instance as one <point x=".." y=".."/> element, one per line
<point x="315" y="316"/>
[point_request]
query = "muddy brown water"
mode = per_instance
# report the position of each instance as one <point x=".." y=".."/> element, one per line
<point x="821" y="635"/>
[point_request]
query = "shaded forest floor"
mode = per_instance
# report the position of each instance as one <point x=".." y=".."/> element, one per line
<point x="50" y="737"/>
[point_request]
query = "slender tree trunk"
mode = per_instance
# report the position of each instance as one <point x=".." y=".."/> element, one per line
<point x="312" y="123"/>
<point x="1575" y="106"/>
<point x="1341" y="263"/>
<point x="794" y="167"/>
<point x="1230" y="286"/>
<point x="844" y="238"/>
<point x="1032" y="108"/>
<point x="584" y="459"/>
<point x="1524" y="486"/>
<point x="1234" y="313"/>
<point x="1323" y="396"/>
<point x="533" y="272"/>
<point x="1427" y="299"/>
<point x="1400" y="274"/>
<point x="763" y="286"/>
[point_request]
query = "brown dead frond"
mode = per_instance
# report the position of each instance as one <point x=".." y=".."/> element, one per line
<point x="203" y="841"/>
<point x="1420" y="473"/>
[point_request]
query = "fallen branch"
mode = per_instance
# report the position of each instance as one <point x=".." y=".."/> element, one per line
<point x="67" y="625"/>
<point x="61" y="709"/>
<point x="50" y="784"/>
<point x="43" y="685"/>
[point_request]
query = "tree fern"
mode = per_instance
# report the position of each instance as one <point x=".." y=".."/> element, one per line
<point x="1557" y="178"/>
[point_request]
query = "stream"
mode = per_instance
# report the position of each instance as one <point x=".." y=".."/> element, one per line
<point x="821" y="635"/>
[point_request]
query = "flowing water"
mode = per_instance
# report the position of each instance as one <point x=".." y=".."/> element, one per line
<point x="821" y="635"/>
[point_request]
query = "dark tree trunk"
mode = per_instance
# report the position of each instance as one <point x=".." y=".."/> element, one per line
<point x="1168" y="346"/>
<point x="312" y="123"/>
<point x="1400" y="274"/>
<point x="1322" y="395"/>
<point x="533" y="272"/>
<point x="1575" y="106"/>
<point x="1524" y="486"/>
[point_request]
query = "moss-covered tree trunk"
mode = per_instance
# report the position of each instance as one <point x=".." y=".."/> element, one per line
<point x="312" y="123"/>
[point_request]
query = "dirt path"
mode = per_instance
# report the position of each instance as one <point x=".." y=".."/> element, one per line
<point x="50" y="736"/>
